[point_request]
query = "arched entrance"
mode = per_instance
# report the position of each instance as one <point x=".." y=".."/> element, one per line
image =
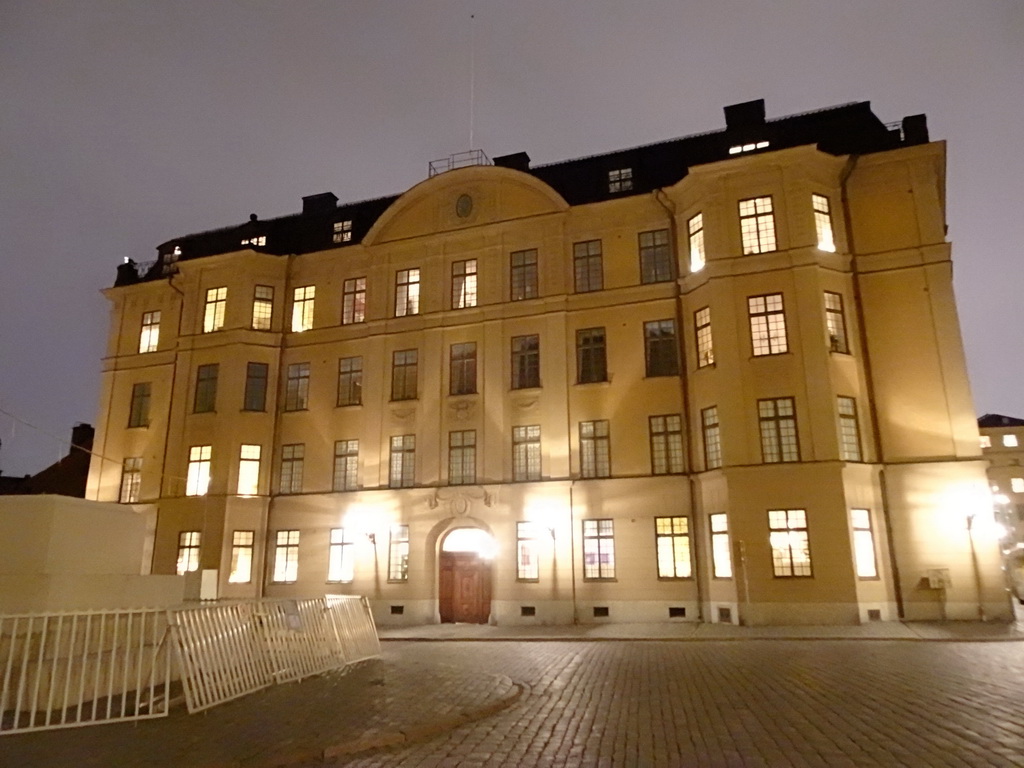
<point x="464" y="580"/>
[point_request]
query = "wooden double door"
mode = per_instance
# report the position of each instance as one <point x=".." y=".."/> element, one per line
<point x="464" y="588"/>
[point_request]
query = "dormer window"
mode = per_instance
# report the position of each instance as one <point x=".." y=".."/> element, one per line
<point x="620" y="180"/>
<point x="255" y="241"/>
<point x="741" y="148"/>
<point x="343" y="231"/>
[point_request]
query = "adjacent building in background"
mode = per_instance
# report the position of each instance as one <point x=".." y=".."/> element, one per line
<point x="716" y="378"/>
<point x="67" y="476"/>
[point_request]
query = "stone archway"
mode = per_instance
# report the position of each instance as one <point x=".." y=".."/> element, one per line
<point x="464" y="576"/>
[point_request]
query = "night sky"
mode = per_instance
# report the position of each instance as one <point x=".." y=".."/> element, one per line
<point x="124" y="124"/>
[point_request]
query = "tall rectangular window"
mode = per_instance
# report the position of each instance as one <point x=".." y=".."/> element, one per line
<point x="463" y="369"/>
<point x="757" y="225"/>
<point x="591" y="362"/>
<point x="695" y="230"/>
<point x="402" y="468"/>
<point x="527" y="555"/>
<point x="296" y="393"/>
<point x="341" y="561"/>
<point x="598" y="549"/>
<point x="525" y="362"/>
<point x="350" y="381"/>
<point x="462" y="457"/>
<point x="823" y="223"/>
<point x="767" y="324"/>
<point x="249" y="470"/>
<point x="791" y="553"/>
<point x="342" y="231"/>
<point x="523" y="274"/>
<point x="863" y="544"/>
<point x="407" y="292"/>
<point x="197" y="481"/>
<point x="188" y="551"/>
<point x="241" y="557"/>
<point x="655" y="257"/>
<point x="213" y="312"/>
<point x="138" y="413"/>
<point x="206" y="388"/>
<point x="661" y="350"/>
<point x="256" y="375"/>
<point x="705" y="342"/>
<point x="286" y="557"/>
<point x="398" y="553"/>
<point x="353" y="301"/>
<point x="666" y="444"/>
<point x="620" y="180"/>
<point x="526" y="453"/>
<point x="672" y="541"/>
<point x="346" y="465"/>
<point x="587" y="266"/>
<point x="149" y="338"/>
<point x="292" y="464"/>
<point x="404" y="372"/>
<point x="835" y="321"/>
<point x="262" y="307"/>
<point x="595" y="449"/>
<point x="712" y="437"/>
<point x="464" y="284"/>
<point x="777" y="420"/>
<point x="303" y="302"/>
<point x="721" y="551"/>
<point x="849" y="431"/>
<point x="131" y="480"/>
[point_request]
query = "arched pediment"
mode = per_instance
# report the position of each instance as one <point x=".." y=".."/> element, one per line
<point x="464" y="198"/>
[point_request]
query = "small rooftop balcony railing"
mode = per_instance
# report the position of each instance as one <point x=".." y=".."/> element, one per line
<point x="458" y="160"/>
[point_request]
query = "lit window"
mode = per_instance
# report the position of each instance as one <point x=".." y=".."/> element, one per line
<point x="407" y="292"/>
<point x="655" y="257"/>
<point x="255" y="398"/>
<point x="705" y="342"/>
<point x="598" y="549"/>
<point x="241" y="557"/>
<point x="672" y="539"/>
<point x="402" y="472"/>
<point x="695" y="228"/>
<point x="835" y="321"/>
<point x="757" y="225"/>
<point x="398" y="553"/>
<point x="296" y="393"/>
<point x="666" y="434"/>
<point x="1009" y="441"/>
<point x="523" y="275"/>
<point x="350" y="381"/>
<point x="526" y="453"/>
<point x="777" y="420"/>
<point x="595" y="449"/>
<point x="741" y="148"/>
<point x="525" y="362"/>
<point x="262" y="307"/>
<point x="620" y="180"/>
<point x="587" y="266"/>
<point x="404" y="372"/>
<point x="342" y="231"/>
<point x="346" y="465"/>
<point x="591" y="362"/>
<point x="197" y="482"/>
<point x="863" y="544"/>
<point x="462" y="457"/>
<point x="213" y="312"/>
<point x="464" y="284"/>
<point x="303" y="301"/>
<point x="292" y="465"/>
<point x="150" y="336"/>
<point x="849" y="431"/>
<point x="462" y="369"/>
<point x="249" y="470"/>
<point x="206" y="388"/>
<point x="527" y="555"/>
<point x="660" y="348"/>
<point x="341" y="565"/>
<point x="721" y="554"/>
<point x="138" y="414"/>
<point x="767" y="325"/>
<point x="286" y="557"/>
<point x="986" y="441"/>
<point x="712" y="437"/>
<point x="255" y="241"/>
<point x="1017" y="484"/>
<point x="791" y="553"/>
<point x="353" y="304"/>
<point x="823" y="223"/>
<point x="188" y="551"/>
<point x="131" y="480"/>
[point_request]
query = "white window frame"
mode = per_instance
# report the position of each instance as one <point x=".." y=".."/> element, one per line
<point x="197" y="481"/>
<point x="149" y="336"/>
<point x="695" y="232"/>
<point x="188" y="551"/>
<point x="303" y="305"/>
<point x="341" y="557"/>
<point x="286" y="557"/>
<point x="757" y="225"/>
<point x="407" y="292"/>
<point x="241" y="557"/>
<point x="249" y="470"/>
<point x="672" y="546"/>
<point x="262" y="307"/>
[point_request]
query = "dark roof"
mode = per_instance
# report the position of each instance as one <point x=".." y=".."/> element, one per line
<point x="846" y="129"/>
<point x="995" y="420"/>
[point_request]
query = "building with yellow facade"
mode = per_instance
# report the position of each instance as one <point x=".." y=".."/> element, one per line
<point x="717" y="378"/>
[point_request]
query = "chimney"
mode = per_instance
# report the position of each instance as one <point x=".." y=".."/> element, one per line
<point x="82" y="436"/>
<point x="915" y="129"/>
<point x="519" y="161"/>
<point x="321" y="204"/>
<point x="746" y="115"/>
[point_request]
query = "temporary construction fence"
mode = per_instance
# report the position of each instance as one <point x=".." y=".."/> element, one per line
<point x="73" y="669"/>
